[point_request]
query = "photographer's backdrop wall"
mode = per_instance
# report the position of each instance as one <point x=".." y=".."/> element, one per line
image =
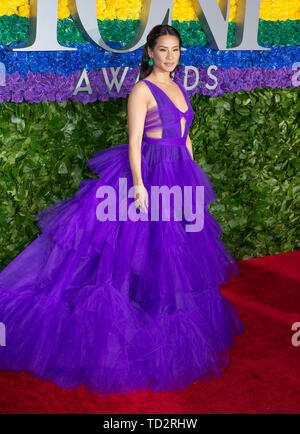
<point x="65" y="97"/>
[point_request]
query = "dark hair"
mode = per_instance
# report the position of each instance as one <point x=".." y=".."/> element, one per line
<point x="153" y="35"/>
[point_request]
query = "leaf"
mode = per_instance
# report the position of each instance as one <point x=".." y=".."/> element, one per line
<point x="62" y="168"/>
<point x="243" y="111"/>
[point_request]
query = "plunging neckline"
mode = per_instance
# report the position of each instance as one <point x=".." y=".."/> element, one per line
<point x="170" y="98"/>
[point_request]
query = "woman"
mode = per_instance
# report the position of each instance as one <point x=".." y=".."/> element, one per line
<point x="122" y="298"/>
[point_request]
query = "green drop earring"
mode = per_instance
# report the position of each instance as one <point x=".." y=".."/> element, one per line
<point x="150" y="61"/>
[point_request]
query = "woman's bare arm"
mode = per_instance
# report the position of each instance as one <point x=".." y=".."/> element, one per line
<point x="137" y="110"/>
<point x="189" y="145"/>
<point x="136" y="114"/>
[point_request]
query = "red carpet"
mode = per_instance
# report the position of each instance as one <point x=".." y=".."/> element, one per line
<point x="263" y="377"/>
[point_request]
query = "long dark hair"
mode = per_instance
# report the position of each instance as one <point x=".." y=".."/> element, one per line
<point x="153" y="35"/>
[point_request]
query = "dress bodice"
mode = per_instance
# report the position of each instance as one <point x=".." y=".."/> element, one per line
<point x="166" y="117"/>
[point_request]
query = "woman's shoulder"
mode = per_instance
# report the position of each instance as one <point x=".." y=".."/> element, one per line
<point x="140" y="90"/>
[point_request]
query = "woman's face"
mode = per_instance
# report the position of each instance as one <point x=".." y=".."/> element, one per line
<point x="166" y="53"/>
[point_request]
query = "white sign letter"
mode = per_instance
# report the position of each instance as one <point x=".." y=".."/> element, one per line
<point x="215" y="19"/>
<point x="195" y="70"/>
<point x="84" y="13"/>
<point x="43" y="27"/>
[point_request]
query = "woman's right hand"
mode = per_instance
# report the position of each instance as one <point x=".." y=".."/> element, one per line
<point x="141" y="199"/>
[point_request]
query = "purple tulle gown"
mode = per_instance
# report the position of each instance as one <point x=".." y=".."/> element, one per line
<point x="123" y="305"/>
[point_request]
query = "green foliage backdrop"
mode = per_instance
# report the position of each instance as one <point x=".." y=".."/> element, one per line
<point x="247" y="142"/>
